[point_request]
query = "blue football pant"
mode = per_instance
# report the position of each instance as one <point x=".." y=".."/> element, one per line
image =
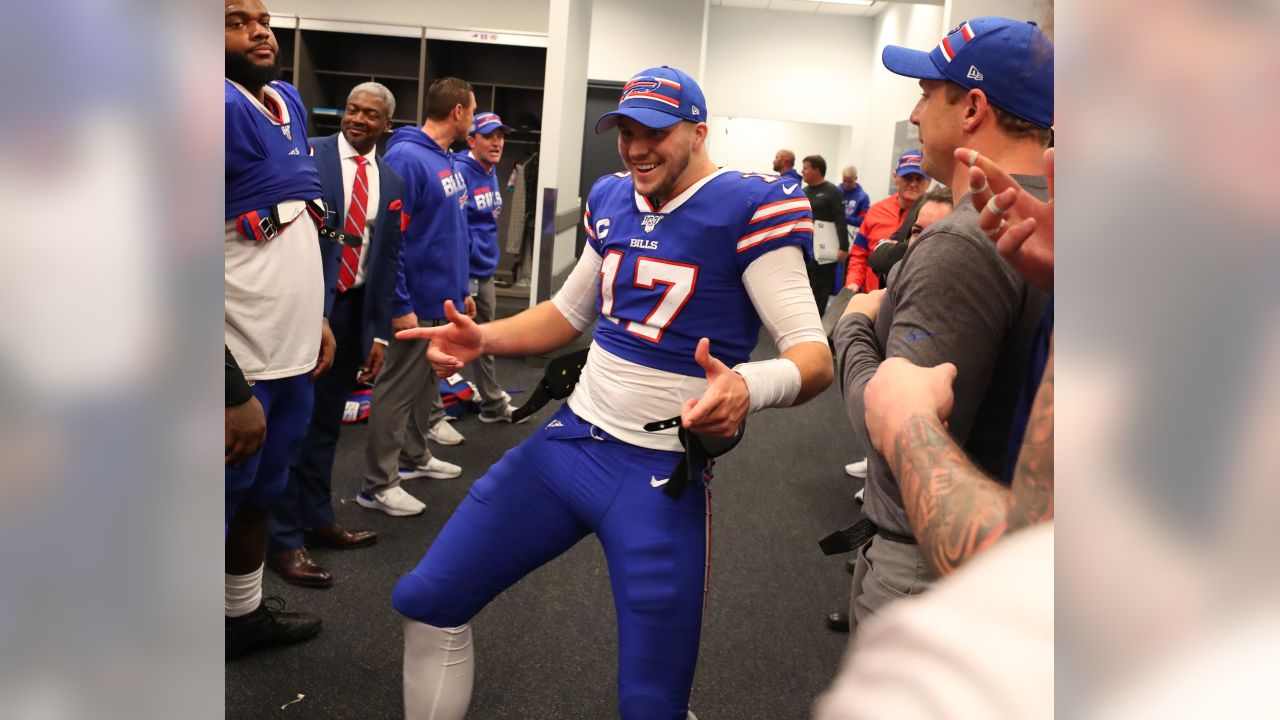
<point x="286" y="403"/>
<point x="569" y="479"/>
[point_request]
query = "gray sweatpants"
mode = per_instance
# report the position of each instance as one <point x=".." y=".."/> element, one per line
<point x="491" y="397"/>
<point x="885" y="570"/>
<point x="405" y="404"/>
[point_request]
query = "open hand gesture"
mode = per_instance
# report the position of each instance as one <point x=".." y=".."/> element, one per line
<point x="1020" y="225"/>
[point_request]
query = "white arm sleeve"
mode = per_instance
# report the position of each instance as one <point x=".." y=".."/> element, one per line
<point x="576" y="299"/>
<point x="779" y="289"/>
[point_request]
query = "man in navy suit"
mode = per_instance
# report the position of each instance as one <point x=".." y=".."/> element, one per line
<point x="365" y="197"/>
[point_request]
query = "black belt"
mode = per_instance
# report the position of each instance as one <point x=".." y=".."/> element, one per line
<point x="264" y="224"/>
<point x="857" y="535"/>
<point x="699" y="453"/>
<point x="557" y="383"/>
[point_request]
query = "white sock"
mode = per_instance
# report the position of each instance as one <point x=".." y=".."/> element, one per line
<point x="439" y="670"/>
<point x="243" y="593"/>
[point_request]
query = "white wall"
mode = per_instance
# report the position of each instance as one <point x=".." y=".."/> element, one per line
<point x="564" y="102"/>
<point x="787" y="66"/>
<point x="793" y="68"/>
<point x="960" y="10"/>
<point x="629" y="36"/>
<point x="501" y="15"/>
<point x="748" y="144"/>
<point x="914" y="26"/>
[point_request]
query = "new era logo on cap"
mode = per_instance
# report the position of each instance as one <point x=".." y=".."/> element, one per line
<point x="658" y="98"/>
<point x="1010" y="61"/>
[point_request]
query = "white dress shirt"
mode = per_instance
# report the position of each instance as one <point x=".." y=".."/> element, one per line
<point x="347" y="153"/>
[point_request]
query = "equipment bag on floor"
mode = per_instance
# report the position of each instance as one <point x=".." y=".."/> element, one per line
<point x="357" y="408"/>
<point x="459" y="395"/>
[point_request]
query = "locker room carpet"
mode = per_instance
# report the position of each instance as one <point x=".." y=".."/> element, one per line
<point x="546" y="648"/>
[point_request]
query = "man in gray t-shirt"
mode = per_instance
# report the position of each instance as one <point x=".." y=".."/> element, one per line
<point x="988" y="86"/>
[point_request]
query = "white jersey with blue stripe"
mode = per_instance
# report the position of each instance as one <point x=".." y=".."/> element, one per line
<point x="670" y="276"/>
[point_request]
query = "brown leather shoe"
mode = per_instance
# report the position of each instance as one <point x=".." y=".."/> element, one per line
<point x="838" y="621"/>
<point x="296" y="566"/>
<point x="339" y="538"/>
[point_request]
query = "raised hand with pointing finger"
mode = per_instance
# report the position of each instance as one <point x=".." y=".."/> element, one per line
<point x="452" y="345"/>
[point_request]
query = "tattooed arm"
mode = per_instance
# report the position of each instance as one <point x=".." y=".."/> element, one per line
<point x="955" y="510"/>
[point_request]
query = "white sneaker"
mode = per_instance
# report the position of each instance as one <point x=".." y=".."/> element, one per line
<point x="444" y="434"/>
<point x="392" y="501"/>
<point x="502" y="415"/>
<point x="435" y="468"/>
<point x="857" y="469"/>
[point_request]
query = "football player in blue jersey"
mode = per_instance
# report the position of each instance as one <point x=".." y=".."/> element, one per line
<point x="274" y="330"/>
<point x="683" y="260"/>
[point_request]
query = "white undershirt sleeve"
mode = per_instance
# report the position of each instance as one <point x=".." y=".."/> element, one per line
<point x="576" y="299"/>
<point x="779" y="289"/>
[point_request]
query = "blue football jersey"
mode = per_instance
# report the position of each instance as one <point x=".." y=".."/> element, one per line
<point x="267" y="161"/>
<point x="672" y="275"/>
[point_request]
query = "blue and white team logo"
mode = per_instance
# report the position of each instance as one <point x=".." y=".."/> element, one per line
<point x="650" y="222"/>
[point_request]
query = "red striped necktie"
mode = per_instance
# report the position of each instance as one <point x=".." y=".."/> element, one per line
<point x="355" y="225"/>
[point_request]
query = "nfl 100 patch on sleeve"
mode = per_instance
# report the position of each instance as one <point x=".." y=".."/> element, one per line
<point x="671" y="275"/>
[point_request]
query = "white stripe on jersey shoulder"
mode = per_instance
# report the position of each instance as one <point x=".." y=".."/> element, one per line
<point x="642" y="203"/>
<point x="781" y="207"/>
<point x="781" y="230"/>
<point x="284" y="107"/>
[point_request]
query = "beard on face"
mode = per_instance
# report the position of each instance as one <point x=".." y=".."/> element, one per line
<point x="675" y="168"/>
<point x="242" y="70"/>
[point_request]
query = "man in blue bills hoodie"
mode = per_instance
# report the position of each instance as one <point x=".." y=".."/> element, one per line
<point x="435" y="268"/>
<point x="479" y="165"/>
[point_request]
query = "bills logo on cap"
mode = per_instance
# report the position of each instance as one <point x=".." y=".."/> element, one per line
<point x="486" y="123"/>
<point x="647" y="87"/>
<point x="910" y="160"/>
<point x="956" y="40"/>
<point x="657" y="98"/>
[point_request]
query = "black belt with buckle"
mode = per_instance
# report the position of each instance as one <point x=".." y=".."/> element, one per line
<point x="562" y="375"/>
<point x="265" y="224"/>
<point x="700" y="452"/>
<point x="857" y="535"/>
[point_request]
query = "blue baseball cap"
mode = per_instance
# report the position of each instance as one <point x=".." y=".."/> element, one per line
<point x="909" y="163"/>
<point x="486" y="123"/>
<point x="658" y="97"/>
<point x="1010" y="61"/>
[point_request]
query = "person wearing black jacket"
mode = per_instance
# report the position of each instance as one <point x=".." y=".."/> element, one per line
<point x="827" y="201"/>
<point x="931" y="207"/>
